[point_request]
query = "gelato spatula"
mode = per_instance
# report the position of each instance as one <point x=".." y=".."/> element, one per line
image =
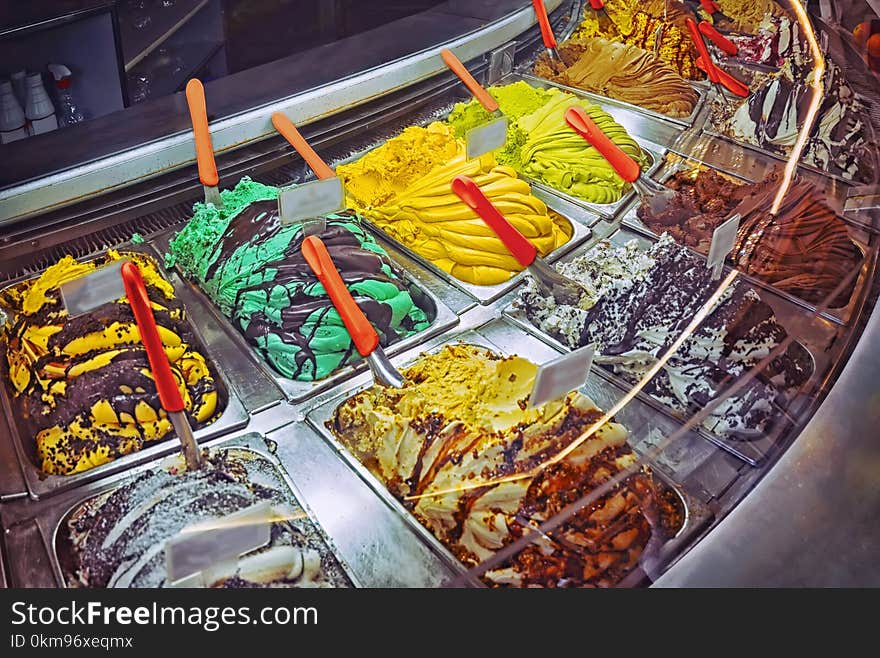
<point x="724" y="44"/>
<point x="657" y="197"/>
<point x="80" y="296"/>
<point x="310" y="202"/>
<point x="732" y="84"/>
<point x="711" y="69"/>
<point x="363" y="335"/>
<point x="490" y="136"/>
<point x="169" y="393"/>
<point x="546" y="30"/>
<point x="563" y="289"/>
<point x="198" y="114"/>
<point x="455" y="65"/>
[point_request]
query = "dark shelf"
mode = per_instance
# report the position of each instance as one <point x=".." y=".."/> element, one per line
<point x="20" y="18"/>
<point x="165" y="21"/>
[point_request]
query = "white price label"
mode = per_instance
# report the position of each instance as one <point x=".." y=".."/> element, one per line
<point x="559" y="377"/>
<point x="486" y="138"/>
<point x="86" y="293"/>
<point x="200" y="546"/>
<point x="309" y="200"/>
<point x="723" y="241"/>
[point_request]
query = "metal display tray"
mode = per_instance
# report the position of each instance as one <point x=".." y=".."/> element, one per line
<point x="841" y="315"/>
<point x="696" y="515"/>
<point x="36" y="540"/>
<point x="526" y="72"/>
<point x="41" y="485"/>
<point x="440" y="315"/>
<point x="815" y="338"/>
<point x="710" y="130"/>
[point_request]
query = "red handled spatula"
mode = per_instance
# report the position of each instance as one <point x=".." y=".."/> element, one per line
<point x="363" y="335"/>
<point x="198" y="114"/>
<point x="711" y="69"/>
<point x="490" y="136"/>
<point x="546" y="30"/>
<point x="123" y="279"/>
<point x="655" y="196"/>
<point x="732" y="84"/>
<point x="724" y="44"/>
<point x="310" y="202"/>
<point x="564" y="290"/>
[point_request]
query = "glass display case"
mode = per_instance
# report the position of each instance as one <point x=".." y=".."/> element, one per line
<point x="651" y="364"/>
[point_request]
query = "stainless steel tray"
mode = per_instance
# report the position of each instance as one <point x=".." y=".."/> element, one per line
<point x="696" y="515"/>
<point x="485" y="294"/>
<point x="40" y="484"/>
<point x="526" y="72"/>
<point x="841" y="315"/>
<point x="752" y="450"/>
<point x="38" y="538"/>
<point x="441" y="316"/>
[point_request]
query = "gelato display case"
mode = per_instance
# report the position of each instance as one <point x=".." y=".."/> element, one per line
<point x="629" y="343"/>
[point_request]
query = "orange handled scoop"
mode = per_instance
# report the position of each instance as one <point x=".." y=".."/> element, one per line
<point x="166" y="384"/>
<point x="546" y="30"/>
<point x="655" y="196"/>
<point x="290" y="132"/>
<point x="308" y="203"/>
<point x="363" y="335"/>
<point x="483" y="96"/>
<point x="198" y="114"/>
<point x="564" y="290"/>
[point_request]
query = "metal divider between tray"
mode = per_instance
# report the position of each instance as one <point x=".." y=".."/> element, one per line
<point x="696" y="515"/>
<point x="41" y="485"/>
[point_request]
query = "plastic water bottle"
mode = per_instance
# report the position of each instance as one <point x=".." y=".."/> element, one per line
<point x="68" y="110"/>
<point x="13" y="125"/>
<point x="38" y="109"/>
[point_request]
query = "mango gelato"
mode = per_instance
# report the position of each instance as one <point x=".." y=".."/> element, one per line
<point x="384" y="173"/>
<point x="82" y="385"/>
<point x="430" y="219"/>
